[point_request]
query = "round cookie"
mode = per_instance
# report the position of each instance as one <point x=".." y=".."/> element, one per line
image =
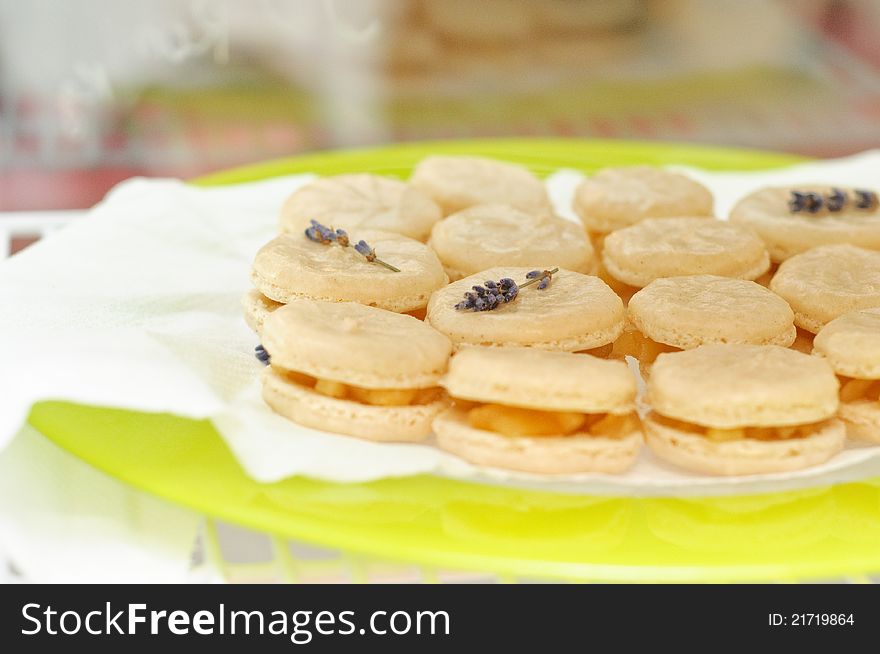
<point x="256" y="308"/>
<point x="826" y="282"/>
<point x="539" y="411"/>
<point x="671" y="247"/>
<point x="488" y="235"/>
<point x="686" y="312"/>
<point x="361" y="202"/>
<point x="851" y="344"/>
<point x="292" y="266"/>
<point x="743" y="409"/>
<point x="576" y="312"/>
<point x="486" y="21"/>
<point x="588" y="15"/>
<point x="615" y="198"/>
<point x="353" y="369"/>
<point x="456" y="183"/>
<point x="787" y="234"/>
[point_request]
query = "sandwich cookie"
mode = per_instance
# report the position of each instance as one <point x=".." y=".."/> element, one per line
<point x="352" y="369"/>
<point x="456" y="183"/>
<point x="361" y="202"/>
<point x="826" y="282"/>
<point x="541" y="412"/>
<point x="615" y="198"/>
<point x="574" y="313"/>
<point x="851" y="344"/>
<point x="791" y="221"/>
<point x="672" y="247"/>
<point x="256" y="308"/>
<point x="294" y="266"/>
<point x="682" y="313"/>
<point x="743" y="409"/>
<point x="489" y="235"/>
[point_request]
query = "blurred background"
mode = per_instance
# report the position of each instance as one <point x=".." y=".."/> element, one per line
<point x="94" y="91"/>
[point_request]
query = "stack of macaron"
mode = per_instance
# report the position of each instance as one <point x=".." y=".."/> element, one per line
<point x="457" y="308"/>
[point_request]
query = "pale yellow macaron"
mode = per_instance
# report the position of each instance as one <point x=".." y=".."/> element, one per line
<point x="256" y="308"/>
<point x="538" y="411"/>
<point x="788" y="233"/>
<point x="574" y="313"/>
<point x="352" y="369"/>
<point x="671" y="247"/>
<point x="489" y="21"/>
<point x="851" y="344"/>
<point x="826" y="282"/>
<point x="456" y="183"/>
<point x="681" y="313"/>
<point x="293" y="266"/>
<point x="489" y="235"/>
<point x="615" y="198"/>
<point x="743" y="409"/>
<point x="361" y="202"/>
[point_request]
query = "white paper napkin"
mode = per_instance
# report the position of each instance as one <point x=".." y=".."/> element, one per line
<point x="138" y="306"/>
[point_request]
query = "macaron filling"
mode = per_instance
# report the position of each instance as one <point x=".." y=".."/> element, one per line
<point x="371" y="396"/>
<point x="506" y="420"/>
<point x="717" y="435"/>
<point x="645" y="350"/>
<point x="858" y="390"/>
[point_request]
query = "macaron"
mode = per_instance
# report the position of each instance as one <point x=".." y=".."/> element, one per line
<point x="593" y="17"/>
<point x="826" y="282"/>
<point x="488" y="21"/>
<point x="361" y="202"/>
<point x="256" y="308"/>
<point x="489" y="235"/>
<point x="352" y="369"/>
<point x="615" y="198"/>
<point x="851" y="344"/>
<point x="574" y="313"/>
<point x="541" y="412"/>
<point x="671" y="247"/>
<point x="787" y="233"/>
<point x="293" y="266"/>
<point x="743" y="409"/>
<point x="456" y="183"/>
<point x="682" y="313"/>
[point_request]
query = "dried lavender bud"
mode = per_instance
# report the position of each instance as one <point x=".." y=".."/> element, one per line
<point x="262" y="355"/>
<point x="813" y="202"/>
<point x="866" y="200"/>
<point x="363" y="248"/>
<point x="342" y="237"/>
<point x="797" y="201"/>
<point x="319" y="233"/>
<point x="805" y="201"/>
<point x="836" y="200"/>
<point x="544" y="283"/>
<point x="532" y="274"/>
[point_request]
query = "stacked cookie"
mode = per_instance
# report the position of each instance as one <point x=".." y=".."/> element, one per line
<point x="518" y="361"/>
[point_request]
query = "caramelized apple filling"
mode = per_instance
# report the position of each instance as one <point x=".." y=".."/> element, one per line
<point x="635" y="344"/>
<point x="853" y="390"/>
<point x="739" y="433"/>
<point x="517" y="421"/>
<point x="603" y="351"/>
<point x="373" y="396"/>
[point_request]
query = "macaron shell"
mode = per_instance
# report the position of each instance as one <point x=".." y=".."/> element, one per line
<point x="489" y="20"/>
<point x="615" y="198"/>
<point x="787" y="234"/>
<point x="356" y="344"/>
<point x="358" y="202"/>
<point x="576" y="312"/>
<point x="377" y="423"/>
<point x="851" y="343"/>
<point x="729" y="386"/>
<point x="456" y="183"/>
<point x="690" y="311"/>
<point x="549" y="455"/>
<point x="291" y="266"/>
<point x="827" y="282"/>
<point x="489" y="235"/>
<point x="745" y="456"/>
<point x="541" y="379"/>
<point x="256" y="308"/>
<point x="671" y="247"/>
<point x="862" y="419"/>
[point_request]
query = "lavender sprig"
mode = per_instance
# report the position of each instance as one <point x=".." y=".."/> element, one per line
<point x="833" y="202"/>
<point x="492" y="294"/>
<point x="327" y="236"/>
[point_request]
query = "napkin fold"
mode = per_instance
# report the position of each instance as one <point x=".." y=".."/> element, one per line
<point x="138" y="306"/>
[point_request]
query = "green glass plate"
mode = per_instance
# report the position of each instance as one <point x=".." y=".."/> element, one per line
<point x="806" y="534"/>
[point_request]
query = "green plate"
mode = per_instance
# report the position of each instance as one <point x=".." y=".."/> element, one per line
<point x="806" y="534"/>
